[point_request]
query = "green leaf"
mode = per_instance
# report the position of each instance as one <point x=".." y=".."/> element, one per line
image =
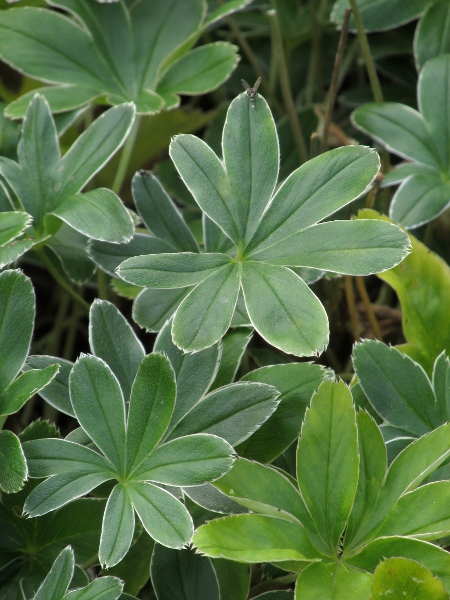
<point x="193" y="372"/>
<point x="332" y="582"/>
<point x="60" y="489"/>
<point x="200" y="70"/>
<point x="151" y="407"/>
<point x="254" y="538"/>
<point x="314" y="191"/>
<point x="17" y="308"/>
<point x="431" y="556"/>
<point x="400" y="128"/>
<point x="206" y="178"/>
<point x="420" y="199"/>
<point x="423" y="513"/>
<point x="12" y="251"/>
<point x="112" y="339"/>
<point x="233" y="578"/>
<point x="59" y="99"/>
<point x="103" y="588"/>
<point x="432" y="36"/>
<point x="13" y="467"/>
<point x="441" y="383"/>
<point x="160" y="215"/>
<point x="182" y="574"/>
<point x="57" y="581"/>
<point x="56" y="393"/>
<point x="407" y="471"/>
<point x="54" y="456"/>
<point x="12" y="224"/>
<point x="93" y="148"/>
<point x="278" y="595"/>
<point x="99" y="407"/>
<point x="381" y="14"/>
<point x="233" y="348"/>
<point x="118" y="50"/>
<point x="205" y="314"/>
<point x="118" y="527"/>
<point x="434" y="83"/>
<point x="164" y="517"/>
<point x="209" y="497"/>
<point x="70" y="247"/>
<point x="171" y="270"/>
<point x="152" y="308"/>
<point x="406" y="579"/>
<point x="190" y="460"/>
<point x="327" y="460"/>
<point x="133" y="569"/>
<point x="397" y="387"/>
<point x="263" y="490"/>
<point x="425" y="318"/>
<point x="233" y="412"/>
<point x="79" y="521"/>
<point x="352" y="247"/>
<point x="291" y="317"/>
<point x="404" y="170"/>
<point x="296" y="383"/>
<point x="24" y="387"/>
<point x="98" y="214"/>
<point x="109" y="255"/>
<point x="223" y="10"/>
<point x="70" y="58"/>
<point x="251" y="156"/>
<point x="372" y="470"/>
<point x="38" y="154"/>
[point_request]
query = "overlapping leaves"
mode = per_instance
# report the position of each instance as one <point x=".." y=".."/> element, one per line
<point x="145" y="422"/>
<point x="401" y="392"/>
<point x="348" y="510"/>
<point x="17" y="309"/>
<point x="267" y="233"/>
<point x="422" y="137"/>
<point x="120" y="52"/>
<point x="55" y="585"/>
<point x="47" y="186"/>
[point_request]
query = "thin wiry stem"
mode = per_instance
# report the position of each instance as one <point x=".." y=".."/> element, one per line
<point x="285" y="85"/>
<point x="368" y="306"/>
<point x="335" y="80"/>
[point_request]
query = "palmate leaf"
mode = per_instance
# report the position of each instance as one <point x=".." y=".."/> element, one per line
<point x="138" y="52"/>
<point x="259" y="233"/>
<point x="48" y="186"/>
<point x="129" y="446"/>
<point x="343" y="485"/>
<point x="55" y="585"/>
<point x="422" y="137"/>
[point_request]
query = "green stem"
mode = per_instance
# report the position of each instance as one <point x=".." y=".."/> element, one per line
<point x="56" y="333"/>
<point x="60" y="279"/>
<point x="334" y="80"/>
<point x="351" y="307"/>
<point x="361" y="286"/>
<point x="367" y="55"/>
<point x="102" y="284"/>
<point x="285" y="85"/>
<point x="125" y="156"/>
